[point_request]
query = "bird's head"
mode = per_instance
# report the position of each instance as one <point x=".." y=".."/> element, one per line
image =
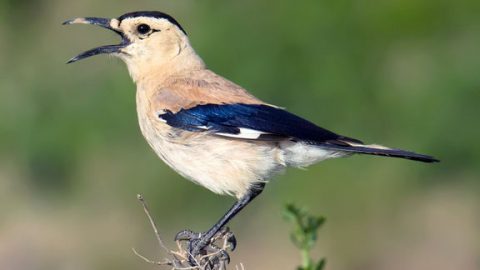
<point x="150" y="40"/>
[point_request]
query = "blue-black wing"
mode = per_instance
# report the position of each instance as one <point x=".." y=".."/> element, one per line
<point x="249" y="121"/>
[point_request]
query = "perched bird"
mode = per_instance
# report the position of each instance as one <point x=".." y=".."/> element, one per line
<point x="209" y="129"/>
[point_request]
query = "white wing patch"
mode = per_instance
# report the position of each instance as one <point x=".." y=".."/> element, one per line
<point x="159" y="116"/>
<point x="245" y="133"/>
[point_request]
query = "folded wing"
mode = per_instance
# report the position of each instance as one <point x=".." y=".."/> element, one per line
<point x="264" y="122"/>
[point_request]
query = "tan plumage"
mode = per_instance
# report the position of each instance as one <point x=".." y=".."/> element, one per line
<point x="195" y="87"/>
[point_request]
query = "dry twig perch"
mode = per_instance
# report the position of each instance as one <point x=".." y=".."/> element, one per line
<point x="212" y="257"/>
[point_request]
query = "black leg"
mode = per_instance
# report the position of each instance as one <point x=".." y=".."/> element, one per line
<point x="203" y="240"/>
<point x="234" y="210"/>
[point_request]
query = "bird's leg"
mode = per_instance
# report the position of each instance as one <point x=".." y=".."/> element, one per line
<point x="198" y="241"/>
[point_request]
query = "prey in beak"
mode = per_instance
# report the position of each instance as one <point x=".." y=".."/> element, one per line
<point x="111" y="24"/>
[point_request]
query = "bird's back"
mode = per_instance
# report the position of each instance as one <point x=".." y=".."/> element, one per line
<point x="195" y="87"/>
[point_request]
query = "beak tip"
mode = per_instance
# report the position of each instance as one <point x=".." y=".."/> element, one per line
<point x="74" y="59"/>
<point x="71" y="21"/>
<point x="74" y="21"/>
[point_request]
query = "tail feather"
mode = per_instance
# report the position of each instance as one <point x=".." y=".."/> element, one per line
<point x="379" y="150"/>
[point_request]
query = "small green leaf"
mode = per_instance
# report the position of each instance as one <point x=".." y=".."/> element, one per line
<point x="304" y="234"/>
<point x="321" y="264"/>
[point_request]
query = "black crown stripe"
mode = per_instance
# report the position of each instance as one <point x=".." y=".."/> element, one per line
<point x="152" y="14"/>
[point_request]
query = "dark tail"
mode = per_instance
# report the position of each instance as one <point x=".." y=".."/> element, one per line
<point x="379" y="150"/>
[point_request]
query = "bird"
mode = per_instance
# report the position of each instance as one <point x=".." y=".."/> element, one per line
<point x="209" y="129"/>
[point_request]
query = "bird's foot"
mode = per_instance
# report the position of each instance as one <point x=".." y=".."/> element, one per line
<point x="211" y="253"/>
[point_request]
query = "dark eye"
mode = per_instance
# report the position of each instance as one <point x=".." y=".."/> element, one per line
<point x="143" y="29"/>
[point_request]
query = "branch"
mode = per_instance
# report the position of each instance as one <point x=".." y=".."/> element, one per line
<point x="213" y="257"/>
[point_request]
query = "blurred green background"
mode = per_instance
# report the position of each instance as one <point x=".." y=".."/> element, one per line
<point x="404" y="73"/>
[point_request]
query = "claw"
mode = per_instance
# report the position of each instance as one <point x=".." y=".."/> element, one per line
<point x="231" y="241"/>
<point x="211" y="255"/>
<point x="223" y="255"/>
<point x="187" y="235"/>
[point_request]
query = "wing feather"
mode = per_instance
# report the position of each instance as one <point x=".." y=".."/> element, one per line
<point x="248" y="121"/>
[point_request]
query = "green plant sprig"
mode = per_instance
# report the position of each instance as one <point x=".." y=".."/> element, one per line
<point x="304" y="235"/>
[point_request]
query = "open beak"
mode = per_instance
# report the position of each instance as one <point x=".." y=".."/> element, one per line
<point x="108" y="49"/>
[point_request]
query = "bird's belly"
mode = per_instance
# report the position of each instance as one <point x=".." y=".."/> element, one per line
<point x="224" y="166"/>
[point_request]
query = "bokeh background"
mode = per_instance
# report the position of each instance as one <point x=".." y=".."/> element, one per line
<point x="404" y="73"/>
